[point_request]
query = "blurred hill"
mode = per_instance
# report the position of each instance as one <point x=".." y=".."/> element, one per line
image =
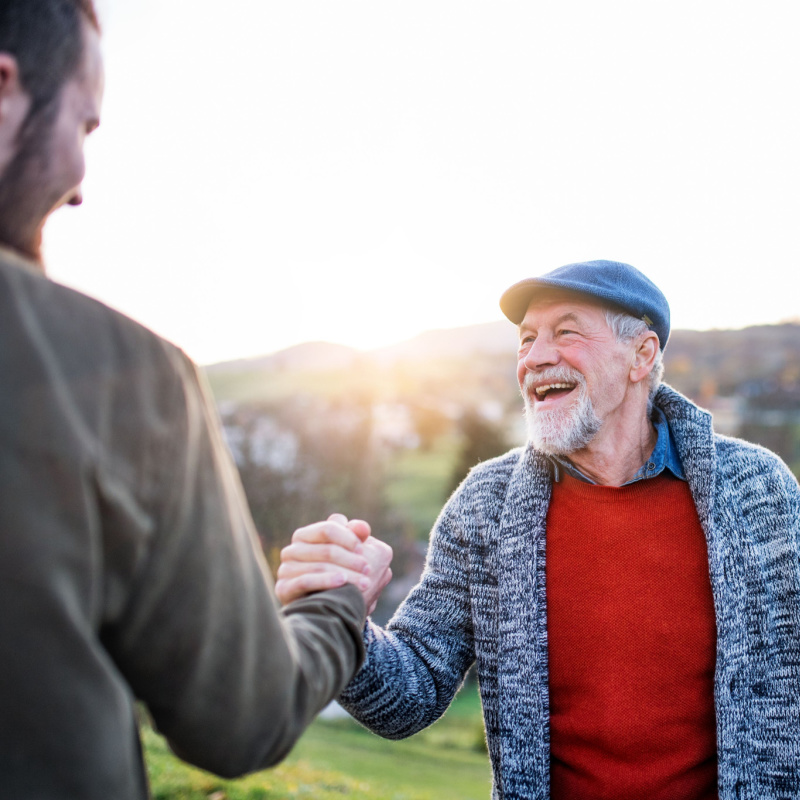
<point x="761" y="361"/>
<point x="732" y="360"/>
<point x="765" y="349"/>
<point x="305" y="356"/>
<point x="436" y="364"/>
<point x="490" y="338"/>
<point x="233" y="380"/>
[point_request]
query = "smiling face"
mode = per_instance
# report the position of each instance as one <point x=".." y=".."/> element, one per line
<point x="573" y="373"/>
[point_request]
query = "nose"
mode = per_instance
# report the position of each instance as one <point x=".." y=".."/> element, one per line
<point x="542" y="353"/>
<point x="76" y="198"/>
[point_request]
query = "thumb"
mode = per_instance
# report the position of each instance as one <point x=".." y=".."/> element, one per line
<point x="360" y="529"/>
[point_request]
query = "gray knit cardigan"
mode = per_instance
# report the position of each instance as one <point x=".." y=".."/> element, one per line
<point x="482" y="598"/>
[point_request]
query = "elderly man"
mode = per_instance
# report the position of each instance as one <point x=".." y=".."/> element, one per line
<point x="628" y="583"/>
<point x="129" y="567"/>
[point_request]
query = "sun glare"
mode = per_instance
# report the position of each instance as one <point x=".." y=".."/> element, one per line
<point x="360" y="177"/>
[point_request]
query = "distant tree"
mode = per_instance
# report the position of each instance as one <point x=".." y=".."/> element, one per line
<point x="430" y="423"/>
<point x="481" y="439"/>
<point x="303" y="459"/>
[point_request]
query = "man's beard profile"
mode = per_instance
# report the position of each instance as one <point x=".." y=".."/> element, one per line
<point x="562" y="430"/>
<point x="22" y="207"/>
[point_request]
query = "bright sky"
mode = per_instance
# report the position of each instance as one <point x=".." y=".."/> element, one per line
<point x="276" y="171"/>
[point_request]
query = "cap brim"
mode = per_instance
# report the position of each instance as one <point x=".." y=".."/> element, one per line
<point x="515" y="300"/>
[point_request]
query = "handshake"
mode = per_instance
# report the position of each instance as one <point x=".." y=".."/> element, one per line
<point x="329" y="554"/>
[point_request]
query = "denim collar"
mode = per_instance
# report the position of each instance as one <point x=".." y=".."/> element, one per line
<point x="664" y="456"/>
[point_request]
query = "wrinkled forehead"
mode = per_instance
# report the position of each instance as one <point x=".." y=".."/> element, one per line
<point x="564" y="301"/>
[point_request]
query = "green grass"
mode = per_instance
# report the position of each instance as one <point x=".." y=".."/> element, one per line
<point x="336" y="759"/>
<point x="171" y="779"/>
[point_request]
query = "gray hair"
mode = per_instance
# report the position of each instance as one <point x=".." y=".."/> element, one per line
<point x="626" y="328"/>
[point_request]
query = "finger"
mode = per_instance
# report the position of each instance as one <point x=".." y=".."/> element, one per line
<point x="295" y="588"/>
<point x="340" y="518"/>
<point x="386" y="578"/>
<point x="290" y="586"/>
<point x="378" y="554"/>
<point x="331" y="532"/>
<point x="360" y="528"/>
<point x="330" y="553"/>
<point x="294" y="569"/>
<point x="373" y="604"/>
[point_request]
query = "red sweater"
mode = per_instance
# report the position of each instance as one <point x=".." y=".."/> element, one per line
<point x="632" y="642"/>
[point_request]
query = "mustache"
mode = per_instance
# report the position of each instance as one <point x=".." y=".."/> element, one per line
<point x="554" y="375"/>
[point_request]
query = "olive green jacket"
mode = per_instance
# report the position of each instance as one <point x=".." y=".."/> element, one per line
<point x="129" y="567"/>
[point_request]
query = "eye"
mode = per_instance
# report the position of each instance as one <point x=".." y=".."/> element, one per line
<point x="566" y="332"/>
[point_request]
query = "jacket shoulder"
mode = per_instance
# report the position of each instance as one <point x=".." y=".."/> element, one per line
<point x="85" y="334"/>
<point x="739" y="457"/>
<point x="493" y="474"/>
<point x="482" y="495"/>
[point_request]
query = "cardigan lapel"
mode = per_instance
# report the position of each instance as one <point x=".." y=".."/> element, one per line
<point x="694" y="437"/>
<point x="522" y="652"/>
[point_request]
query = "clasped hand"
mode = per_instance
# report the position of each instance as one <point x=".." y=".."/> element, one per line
<point x="329" y="554"/>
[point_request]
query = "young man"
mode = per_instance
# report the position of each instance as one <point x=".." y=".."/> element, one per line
<point x="129" y="568"/>
<point x="628" y="583"/>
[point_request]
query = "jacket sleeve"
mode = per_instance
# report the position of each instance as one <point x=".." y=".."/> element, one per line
<point x="230" y="680"/>
<point x="415" y="666"/>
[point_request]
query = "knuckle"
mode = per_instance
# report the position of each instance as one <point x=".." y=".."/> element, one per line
<point x="285" y="571"/>
<point x="282" y="591"/>
<point x="308" y="582"/>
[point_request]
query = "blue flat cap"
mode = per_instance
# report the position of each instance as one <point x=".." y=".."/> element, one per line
<point x="610" y="282"/>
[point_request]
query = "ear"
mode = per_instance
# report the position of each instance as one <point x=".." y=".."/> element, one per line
<point x="644" y="357"/>
<point x="9" y="79"/>
<point x="14" y="105"/>
<point x="14" y="100"/>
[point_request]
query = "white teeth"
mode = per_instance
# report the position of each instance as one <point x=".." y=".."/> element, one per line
<point x="543" y="390"/>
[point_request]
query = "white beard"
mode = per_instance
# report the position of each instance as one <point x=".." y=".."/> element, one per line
<point x="560" y="431"/>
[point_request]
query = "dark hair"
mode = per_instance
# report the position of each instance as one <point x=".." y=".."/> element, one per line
<point x="46" y="38"/>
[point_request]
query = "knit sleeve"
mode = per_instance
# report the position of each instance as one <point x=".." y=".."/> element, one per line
<point x="759" y="480"/>
<point x="415" y="666"/>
